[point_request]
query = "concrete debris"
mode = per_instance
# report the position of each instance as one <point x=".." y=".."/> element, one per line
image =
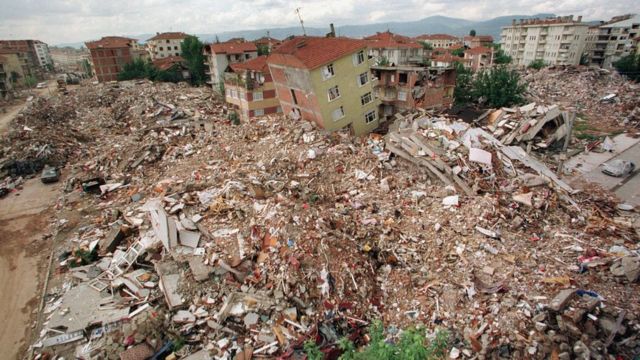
<point x="244" y="241"/>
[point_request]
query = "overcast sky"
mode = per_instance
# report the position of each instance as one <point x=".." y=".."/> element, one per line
<point x="63" y="21"/>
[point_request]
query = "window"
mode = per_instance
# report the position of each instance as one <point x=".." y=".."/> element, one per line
<point x="366" y="98"/>
<point x="258" y="112"/>
<point x="370" y="117"/>
<point x="402" y="95"/>
<point x="334" y="93"/>
<point x="234" y="94"/>
<point x="167" y="41"/>
<point x="327" y="72"/>
<point x="177" y="54"/>
<point x="363" y="79"/>
<point x="175" y="48"/>
<point x="402" y="78"/>
<point x="293" y="96"/>
<point x="358" y="58"/>
<point x="160" y="48"/>
<point x="338" y="113"/>
<point x="257" y="96"/>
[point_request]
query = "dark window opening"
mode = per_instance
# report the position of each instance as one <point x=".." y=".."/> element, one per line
<point x="402" y="78"/>
<point x="293" y="95"/>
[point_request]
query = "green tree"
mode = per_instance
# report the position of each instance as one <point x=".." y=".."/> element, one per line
<point x="537" y="64"/>
<point x="427" y="46"/>
<point x="498" y="87"/>
<point x="472" y="33"/>
<point x="30" y="81"/>
<point x="629" y="66"/>
<point x="500" y="57"/>
<point x="462" y="93"/>
<point x="458" y="52"/>
<point x="263" y="49"/>
<point x="138" y="69"/>
<point x="192" y="54"/>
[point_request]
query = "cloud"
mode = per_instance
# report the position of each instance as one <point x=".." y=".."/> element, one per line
<point x="59" y="21"/>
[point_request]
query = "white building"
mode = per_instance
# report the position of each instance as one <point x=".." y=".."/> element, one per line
<point x="220" y="55"/>
<point x="42" y="52"/>
<point x="556" y="41"/>
<point x="612" y="40"/>
<point x="165" y="44"/>
<point x="394" y="49"/>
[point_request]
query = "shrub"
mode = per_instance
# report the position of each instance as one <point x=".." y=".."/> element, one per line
<point x="537" y="64"/>
<point x="629" y="66"/>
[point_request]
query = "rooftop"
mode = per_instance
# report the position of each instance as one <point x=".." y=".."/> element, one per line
<point x="257" y="64"/>
<point x="390" y="40"/>
<point x="168" y="36"/>
<point x="479" y="50"/>
<point x="436" y="37"/>
<point x="108" y="42"/>
<point x="310" y="52"/>
<point x="232" y="47"/>
<point x="168" y="62"/>
<point x="482" y="38"/>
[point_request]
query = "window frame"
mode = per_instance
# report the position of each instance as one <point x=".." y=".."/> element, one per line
<point x="366" y="116"/>
<point x="362" y="97"/>
<point x="329" y="93"/>
<point x="258" y="98"/>
<point x="359" y="58"/>
<point x="359" y="78"/>
<point x="328" y="69"/>
<point x="341" y="108"/>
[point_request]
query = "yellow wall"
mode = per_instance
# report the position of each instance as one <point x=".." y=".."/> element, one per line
<point x="346" y="77"/>
<point x="11" y="63"/>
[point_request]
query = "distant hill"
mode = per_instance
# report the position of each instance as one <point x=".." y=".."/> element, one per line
<point x="428" y="25"/>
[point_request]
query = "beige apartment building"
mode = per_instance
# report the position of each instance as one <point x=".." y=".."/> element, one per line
<point x="556" y="41"/>
<point x="166" y="44"/>
<point x="612" y="40"/>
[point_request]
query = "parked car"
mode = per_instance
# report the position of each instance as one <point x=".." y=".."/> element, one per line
<point x="50" y="175"/>
<point x="618" y="168"/>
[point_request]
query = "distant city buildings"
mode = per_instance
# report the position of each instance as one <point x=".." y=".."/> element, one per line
<point x="556" y="41"/>
<point x="73" y="60"/>
<point x="444" y="41"/>
<point x="609" y="41"/>
<point x="166" y="44"/>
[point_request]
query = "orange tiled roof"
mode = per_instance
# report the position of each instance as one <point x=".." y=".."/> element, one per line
<point x="436" y="37"/>
<point x="109" y="42"/>
<point x="169" y="35"/>
<point x="310" y="52"/>
<point x="482" y="38"/>
<point x="168" y="62"/>
<point x="257" y="64"/>
<point x="479" y="50"/>
<point x="231" y="47"/>
<point x="447" y="58"/>
<point x="389" y="40"/>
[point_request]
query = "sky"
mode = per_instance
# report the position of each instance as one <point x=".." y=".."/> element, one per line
<point x="66" y="21"/>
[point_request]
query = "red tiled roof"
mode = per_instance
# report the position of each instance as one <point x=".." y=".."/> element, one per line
<point x="257" y="64"/>
<point x="168" y="62"/>
<point x="389" y="40"/>
<point x="436" y="37"/>
<point x="447" y="58"/>
<point x="310" y="52"/>
<point x="479" y="50"/>
<point x="169" y="35"/>
<point x="449" y="49"/>
<point x="233" y="47"/>
<point x="482" y="38"/>
<point x="109" y="42"/>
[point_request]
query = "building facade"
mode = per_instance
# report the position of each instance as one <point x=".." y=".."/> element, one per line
<point x="166" y="44"/>
<point x="556" y="41"/>
<point x="471" y="42"/>
<point x="43" y="55"/>
<point x="110" y="54"/>
<point x="220" y="55"/>
<point x="612" y="40"/>
<point x="388" y="48"/>
<point x="444" y="41"/>
<point x="250" y="90"/>
<point x="479" y="58"/>
<point x="30" y="57"/>
<point x="69" y="59"/>
<point x="326" y="80"/>
<point x="12" y="64"/>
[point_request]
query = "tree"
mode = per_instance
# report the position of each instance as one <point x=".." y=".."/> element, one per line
<point x="629" y="66"/>
<point x="498" y="87"/>
<point x="263" y="49"/>
<point x="458" y="52"/>
<point x="138" y="69"/>
<point x="499" y="57"/>
<point x="192" y="54"/>
<point x="427" y="46"/>
<point x="464" y="80"/>
<point x="537" y="64"/>
<point x="472" y="33"/>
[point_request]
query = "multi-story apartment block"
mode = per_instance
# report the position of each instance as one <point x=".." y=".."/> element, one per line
<point x="479" y="57"/>
<point x="471" y="42"/>
<point x="12" y="64"/>
<point x="388" y="48"/>
<point x="43" y="55"/>
<point x="326" y="80"/>
<point x="110" y="54"/>
<point x="219" y="56"/>
<point x="612" y="40"/>
<point x="556" y="41"/>
<point x="166" y="44"/>
<point x="443" y="41"/>
<point x="250" y="90"/>
<point x="30" y="56"/>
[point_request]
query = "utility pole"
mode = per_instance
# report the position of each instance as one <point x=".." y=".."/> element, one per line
<point x="301" y="22"/>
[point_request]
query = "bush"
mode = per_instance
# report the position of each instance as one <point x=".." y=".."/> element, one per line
<point x="458" y="52"/>
<point x="501" y="58"/>
<point x="537" y="64"/>
<point x="464" y="85"/>
<point x="629" y="66"/>
<point x="498" y="87"/>
<point x="138" y="69"/>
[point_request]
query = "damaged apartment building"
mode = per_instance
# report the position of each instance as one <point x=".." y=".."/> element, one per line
<point x="406" y="82"/>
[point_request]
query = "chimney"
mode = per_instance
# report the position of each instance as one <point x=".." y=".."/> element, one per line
<point x="332" y="33"/>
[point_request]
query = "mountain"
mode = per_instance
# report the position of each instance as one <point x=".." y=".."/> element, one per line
<point x="428" y="25"/>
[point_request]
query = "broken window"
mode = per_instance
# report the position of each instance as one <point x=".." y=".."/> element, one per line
<point x="293" y="96"/>
<point x="366" y="98"/>
<point x="338" y="113"/>
<point x="370" y="116"/>
<point x="334" y="93"/>
<point x="363" y="78"/>
<point x="327" y="72"/>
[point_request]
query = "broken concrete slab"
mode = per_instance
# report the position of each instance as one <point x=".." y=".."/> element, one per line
<point x="199" y="270"/>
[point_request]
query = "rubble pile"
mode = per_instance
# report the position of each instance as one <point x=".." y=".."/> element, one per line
<point x="605" y="99"/>
<point x="201" y="238"/>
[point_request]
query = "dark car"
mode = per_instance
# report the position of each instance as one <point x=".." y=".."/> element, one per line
<point x="50" y="175"/>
